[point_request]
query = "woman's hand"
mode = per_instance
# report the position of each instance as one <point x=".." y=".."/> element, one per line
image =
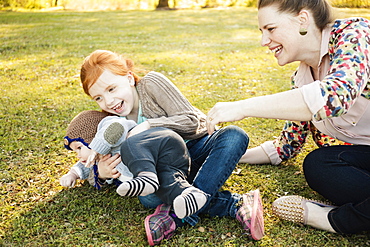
<point x="224" y="112"/>
<point x="107" y="166"/>
<point x="288" y="105"/>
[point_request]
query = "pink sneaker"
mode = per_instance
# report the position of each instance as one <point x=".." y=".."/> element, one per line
<point x="159" y="225"/>
<point x="250" y="214"/>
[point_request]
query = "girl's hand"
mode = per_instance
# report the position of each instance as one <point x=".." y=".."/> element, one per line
<point x="107" y="166"/>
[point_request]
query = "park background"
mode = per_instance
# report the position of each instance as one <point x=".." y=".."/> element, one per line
<point x="148" y="4"/>
<point x="211" y="54"/>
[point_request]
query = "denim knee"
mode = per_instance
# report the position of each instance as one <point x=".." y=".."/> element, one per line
<point x="235" y="134"/>
<point x="314" y="167"/>
<point x="150" y="201"/>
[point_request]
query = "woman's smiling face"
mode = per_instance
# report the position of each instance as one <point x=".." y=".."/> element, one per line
<point x="280" y="33"/>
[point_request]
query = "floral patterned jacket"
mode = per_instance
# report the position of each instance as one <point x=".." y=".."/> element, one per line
<point x="344" y="80"/>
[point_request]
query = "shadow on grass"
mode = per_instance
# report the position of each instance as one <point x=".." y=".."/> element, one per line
<point x="83" y="216"/>
<point x="80" y="216"/>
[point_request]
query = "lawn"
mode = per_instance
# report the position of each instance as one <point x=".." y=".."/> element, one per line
<point x="211" y="55"/>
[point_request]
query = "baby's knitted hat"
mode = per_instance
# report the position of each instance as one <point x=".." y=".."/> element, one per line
<point x="83" y="127"/>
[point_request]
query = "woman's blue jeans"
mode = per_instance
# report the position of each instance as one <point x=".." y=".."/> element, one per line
<point x="342" y="175"/>
<point x="213" y="159"/>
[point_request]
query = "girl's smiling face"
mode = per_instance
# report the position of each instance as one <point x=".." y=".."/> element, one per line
<point x="115" y="94"/>
<point x="280" y="33"/>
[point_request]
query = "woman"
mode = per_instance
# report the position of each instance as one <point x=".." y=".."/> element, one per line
<point x="330" y="99"/>
<point x="154" y="101"/>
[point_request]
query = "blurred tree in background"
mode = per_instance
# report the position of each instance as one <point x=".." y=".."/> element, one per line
<point x="162" y="4"/>
<point x="351" y="3"/>
<point x="148" y="4"/>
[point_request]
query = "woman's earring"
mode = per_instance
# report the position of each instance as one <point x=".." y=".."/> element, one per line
<point x="302" y="31"/>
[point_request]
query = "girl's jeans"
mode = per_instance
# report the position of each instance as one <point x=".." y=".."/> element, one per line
<point x="213" y="157"/>
<point x="342" y="175"/>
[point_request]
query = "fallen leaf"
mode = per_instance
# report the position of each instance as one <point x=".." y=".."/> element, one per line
<point x="237" y="172"/>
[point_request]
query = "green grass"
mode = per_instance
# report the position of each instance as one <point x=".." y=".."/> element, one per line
<point x="211" y="55"/>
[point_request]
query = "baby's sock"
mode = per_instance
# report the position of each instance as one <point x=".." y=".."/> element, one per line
<point x="189" y="202"/>
<point x="144" y="184"/>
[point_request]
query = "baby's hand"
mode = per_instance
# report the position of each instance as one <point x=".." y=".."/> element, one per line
<point x="91" y="159"/>
<point x="69" y="179"/>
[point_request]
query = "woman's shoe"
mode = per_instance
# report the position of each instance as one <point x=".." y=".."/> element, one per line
<point x="294" y="208"/>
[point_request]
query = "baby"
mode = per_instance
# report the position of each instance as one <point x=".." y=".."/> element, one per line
<point x="154" y="161"/>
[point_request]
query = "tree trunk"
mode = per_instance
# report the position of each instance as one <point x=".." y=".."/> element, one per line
<point x="162" y="4"/>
